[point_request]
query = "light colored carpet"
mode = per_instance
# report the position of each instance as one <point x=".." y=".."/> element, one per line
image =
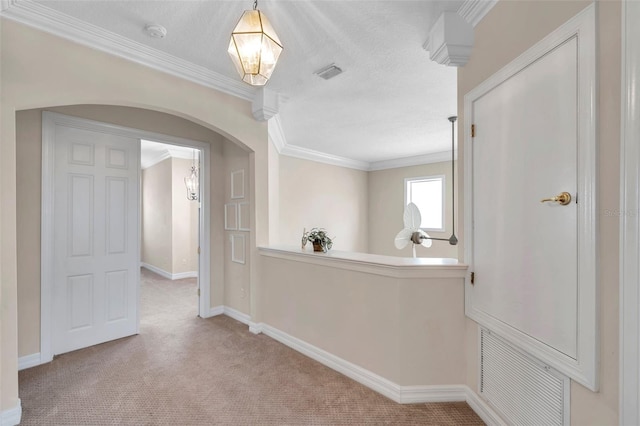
<point x="183" y="370"/>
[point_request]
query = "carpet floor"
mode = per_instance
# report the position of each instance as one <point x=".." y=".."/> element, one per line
<point x="184" y="370"/>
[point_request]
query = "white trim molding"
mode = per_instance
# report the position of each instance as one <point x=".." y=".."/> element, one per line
<point x="169" y="275"/>
<point x="279" y="141"/>
<point x="29" y="361"/>
<point x="215" y="311"/>
<point x="474" y="10"/>
<point x="12" y="416"/>
<point x="630" y="218"/>
<point x="416" y="160"/>
<point x="231" y="313"/>
<point x="584" y="367"/>
<point x="237" y="315"/>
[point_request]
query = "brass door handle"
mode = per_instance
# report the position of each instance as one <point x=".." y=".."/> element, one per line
<point x="563" y="198"/>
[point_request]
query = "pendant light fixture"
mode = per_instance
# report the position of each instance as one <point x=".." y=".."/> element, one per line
<point x="254" y="47"/>
<point x="192" y="182"/>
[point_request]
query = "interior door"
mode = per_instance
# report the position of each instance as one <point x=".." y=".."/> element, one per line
<point x="524" y="151"/>
<point x="530" y="135"/>
<point x="96" y="260"/>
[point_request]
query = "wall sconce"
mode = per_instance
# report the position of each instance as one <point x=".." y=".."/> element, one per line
<point x="192" y="182"/>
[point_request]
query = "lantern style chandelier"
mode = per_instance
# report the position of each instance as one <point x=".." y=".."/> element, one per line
<point x="192" y="182"/>
<point x="254" y="47"/>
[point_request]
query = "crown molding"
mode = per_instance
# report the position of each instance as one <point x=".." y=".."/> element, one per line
<point x="321" y="157"/>
<point x="415" y="160"/>
<point x="51" y="21"/>
<point x="474" y="10"/>
<point x="163" y="155"/>
<point x="276" y="134"/>
<point x="279" y="141"/>
<point x="4" y="5"/>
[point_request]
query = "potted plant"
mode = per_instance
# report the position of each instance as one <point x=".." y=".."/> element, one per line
<point x="319" y="238"/>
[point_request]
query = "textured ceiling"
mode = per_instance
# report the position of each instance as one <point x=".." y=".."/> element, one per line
<point x="390" y="102"/>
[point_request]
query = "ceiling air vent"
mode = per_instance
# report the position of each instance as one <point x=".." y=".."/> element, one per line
<point x="329" y="71"/>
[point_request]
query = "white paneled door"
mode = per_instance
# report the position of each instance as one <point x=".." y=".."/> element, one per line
<point x="95" y="260"/>
<point x="531" y="176"/>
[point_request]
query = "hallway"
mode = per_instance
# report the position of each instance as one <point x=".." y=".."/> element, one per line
<point x="185" y="370"/>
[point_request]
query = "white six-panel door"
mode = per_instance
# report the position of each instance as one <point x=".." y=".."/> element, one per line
<point x="96" y="266"/>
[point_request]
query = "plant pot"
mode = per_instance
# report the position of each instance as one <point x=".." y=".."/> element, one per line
<point x="318" y="247"/>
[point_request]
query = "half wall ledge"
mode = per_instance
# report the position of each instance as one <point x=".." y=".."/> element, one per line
<point x="390" y="266"/>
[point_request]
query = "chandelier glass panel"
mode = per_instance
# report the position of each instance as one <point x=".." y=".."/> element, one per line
<point x="254" y="47"/>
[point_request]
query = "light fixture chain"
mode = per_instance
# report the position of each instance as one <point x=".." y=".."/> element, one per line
<point x="255" y="4"/>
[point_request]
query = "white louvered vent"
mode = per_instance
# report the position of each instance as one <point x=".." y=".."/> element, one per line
<point x="523" y="390"/>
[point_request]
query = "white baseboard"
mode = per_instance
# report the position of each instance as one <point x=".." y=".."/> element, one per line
<point x="483" y="410"/>
<point x="393" y="391"/>
<point x="400" y="394"/>
<point x="255" y="327"/>
<point x="29" y="361"/>
<point x="237" y="315"/>
<point x="169" y="275"/>
<point x="230" y="312"/>
<point x="216" y="310"/>
<point x="12" y="416"/>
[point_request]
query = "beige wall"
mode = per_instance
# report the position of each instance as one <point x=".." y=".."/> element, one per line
<point x="157" y="217"/>
<point x="386" y="207"/>
<point x="316" y="195"/>
<point x="508" y="30"/>
<point x="408" y="330"/>
<point x="237" y="291"/>
<point x="39" y="70"/>
<point x="184" y="251"/>
<point x="29" y="153"/>
<point x="169" y="219"/>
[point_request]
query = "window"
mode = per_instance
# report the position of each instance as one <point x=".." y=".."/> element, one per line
<point x="428" y="194"/>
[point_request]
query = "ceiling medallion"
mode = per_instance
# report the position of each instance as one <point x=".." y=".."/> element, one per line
<point x="254" y="47"/>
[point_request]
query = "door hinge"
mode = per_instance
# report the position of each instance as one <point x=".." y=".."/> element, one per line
<point x="473" y="130"/>
<point x="473" y="278"/>
<point x="198" y="250"/>
<point x="198" y="292"/>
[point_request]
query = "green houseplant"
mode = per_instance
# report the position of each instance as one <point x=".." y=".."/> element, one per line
<point x="319" y="238"/>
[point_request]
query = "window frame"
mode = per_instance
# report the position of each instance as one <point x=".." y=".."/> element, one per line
<point x="443" y="181"/>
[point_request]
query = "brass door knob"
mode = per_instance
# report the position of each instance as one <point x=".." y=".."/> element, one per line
<point x="563" y="198"/>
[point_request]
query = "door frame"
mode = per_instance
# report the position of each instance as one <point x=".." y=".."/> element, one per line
<point x="629" y="302"/>
<point x="49" y="122"/>
<point x="583" y="369"/>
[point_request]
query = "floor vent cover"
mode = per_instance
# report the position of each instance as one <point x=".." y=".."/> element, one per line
<point x="523" y="390"/>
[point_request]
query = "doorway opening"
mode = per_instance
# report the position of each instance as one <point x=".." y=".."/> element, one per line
<point x="169" y="228"/>
<point x="99" y="182"/>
